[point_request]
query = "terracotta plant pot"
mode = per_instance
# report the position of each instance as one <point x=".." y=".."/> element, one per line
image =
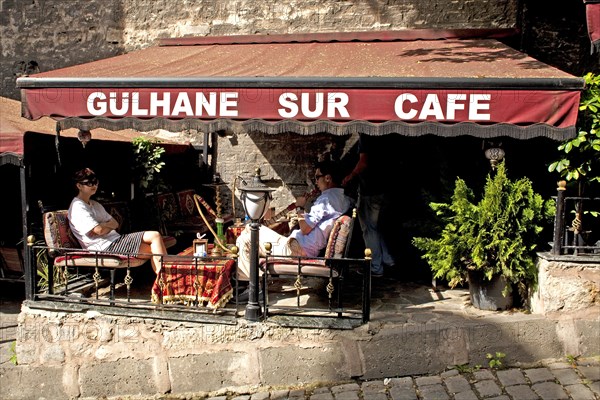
<point x="487" y="295"/>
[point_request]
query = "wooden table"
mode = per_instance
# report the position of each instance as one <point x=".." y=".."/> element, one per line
<point x="193" y="281"/>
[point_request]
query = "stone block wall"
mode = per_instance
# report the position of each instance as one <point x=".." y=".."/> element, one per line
<point x="286" y="161"/>
<point x="66" y="355"/>
<point x="43" y="35"/>
<point x="567" y="284"/>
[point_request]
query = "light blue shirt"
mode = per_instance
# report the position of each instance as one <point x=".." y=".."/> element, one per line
<point x="322" y="215"/>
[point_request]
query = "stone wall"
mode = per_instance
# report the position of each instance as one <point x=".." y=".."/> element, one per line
<point x="43" y="35"/>
<point x="67" y="355"/>
<point x="567" y="284"/>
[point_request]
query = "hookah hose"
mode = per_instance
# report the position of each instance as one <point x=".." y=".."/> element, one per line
<point x="199" y="200"/>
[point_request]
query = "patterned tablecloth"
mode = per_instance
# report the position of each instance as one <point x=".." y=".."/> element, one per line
<point x="192" y="281"/>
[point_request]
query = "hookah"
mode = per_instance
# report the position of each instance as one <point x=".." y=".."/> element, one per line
<point x="219" y="247"/>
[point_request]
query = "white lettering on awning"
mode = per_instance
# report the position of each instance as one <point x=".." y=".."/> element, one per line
<point x="407" y="106"/>
<point x="96" y="104"/>
<point x="313" y="105"/>
<point x="477" y="104"/>
<point x="308" y="104"/>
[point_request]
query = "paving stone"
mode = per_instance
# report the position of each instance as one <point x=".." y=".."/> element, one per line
<point x="503" y="397"/>
<point x="595" y="386"/>
<point x="521" y="392"/>
<point x="247" y="397"/>
<point x="511" y="377"/>
<point x="457" y="384"/>
<point x="375" y="396"/>
<point x="428" y="380"/>
<point x="566" y="376"/>
<point x="279" y="394"/>
<point x="345" y="388"/>
<point x="452" y="372"/>
<point x="483" y="374"/>
<point x="373" y="387"/>
<point x="583" y="361"/>
<point x="433" y="392"/>
<point x="580" y="392"/>
<point x="405" y="382"/>
<point x="469" y="395"/>
<point x="402" y="393"/>
<point x="260" y="396"/>
<point x="297" y="393"/>
<point x="539" y="375"/>
<point x="347" y="395"/>
<point x="320" y="390"/>
<point x="322" y="396"/>
<point x="591" y="372"/>
<point x="217" y="398"/>
<point x="550" y="390"/>
<point x="488" y="388"/>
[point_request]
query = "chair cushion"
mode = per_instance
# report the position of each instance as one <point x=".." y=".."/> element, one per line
<point x="87" y="259"/>
<point x="310" y="267"/>
<point x="120" y="212"/>
<point x="187" y="206"/>
<point x="169" y="241"/>
<point x="336" y="244"/>
<point x="167" y="206"/>
<point x="57" y="232"/>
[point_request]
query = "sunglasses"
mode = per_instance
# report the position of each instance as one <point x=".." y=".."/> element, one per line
<point x="91" y="182"/>
<point x="317" y="177"/>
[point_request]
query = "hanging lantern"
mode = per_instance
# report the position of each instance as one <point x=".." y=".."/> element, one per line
<point x="84" y="137"/>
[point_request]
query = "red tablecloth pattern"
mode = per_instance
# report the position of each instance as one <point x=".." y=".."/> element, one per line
<point x="191" y="281"/>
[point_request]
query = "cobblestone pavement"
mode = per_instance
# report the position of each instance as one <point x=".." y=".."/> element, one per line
<point x="556" y="381"/>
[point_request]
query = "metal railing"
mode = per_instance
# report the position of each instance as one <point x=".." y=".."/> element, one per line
<point x="341" y="295"/>
<point x="176" y="293"/>
<point x="118" y="291"/>
<point x="576" y="225"/>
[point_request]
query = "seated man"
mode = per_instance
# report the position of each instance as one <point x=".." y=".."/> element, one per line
<point x="314" y="226"/>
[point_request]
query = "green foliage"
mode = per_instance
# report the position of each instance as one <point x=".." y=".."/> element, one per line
<point x="467" y="369"/>
<point x="572" y="360"/>
<point x="41" y="260"/>
<point x="13" y="353"/>
<point x="582" y="154"/>
<point x="498" y="235"/>
<point x="495" y="360"/>
<point x="60" y="274"/>
<point x="148" y="164"/>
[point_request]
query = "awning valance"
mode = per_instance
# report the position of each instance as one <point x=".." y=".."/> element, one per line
<point x="592" y="12"/>
<point x="332" y="83"/>
<point x="14" y="128"/>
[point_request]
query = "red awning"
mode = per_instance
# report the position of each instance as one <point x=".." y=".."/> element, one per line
<point x="13" y="129"/>
<point x="407" y="82"/>
<point x="592" y="11"/>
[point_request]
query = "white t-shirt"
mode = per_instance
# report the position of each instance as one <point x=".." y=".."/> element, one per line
<point x="83" y="218"/>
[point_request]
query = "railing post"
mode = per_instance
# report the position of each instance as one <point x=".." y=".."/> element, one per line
<point x="559" y="218"/>
<point x="366" y="306"/>
<point x="253" y="310"/>
<point x="30" y="266"/>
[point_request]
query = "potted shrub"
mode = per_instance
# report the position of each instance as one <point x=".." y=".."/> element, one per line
<point x="490" y="243"/>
